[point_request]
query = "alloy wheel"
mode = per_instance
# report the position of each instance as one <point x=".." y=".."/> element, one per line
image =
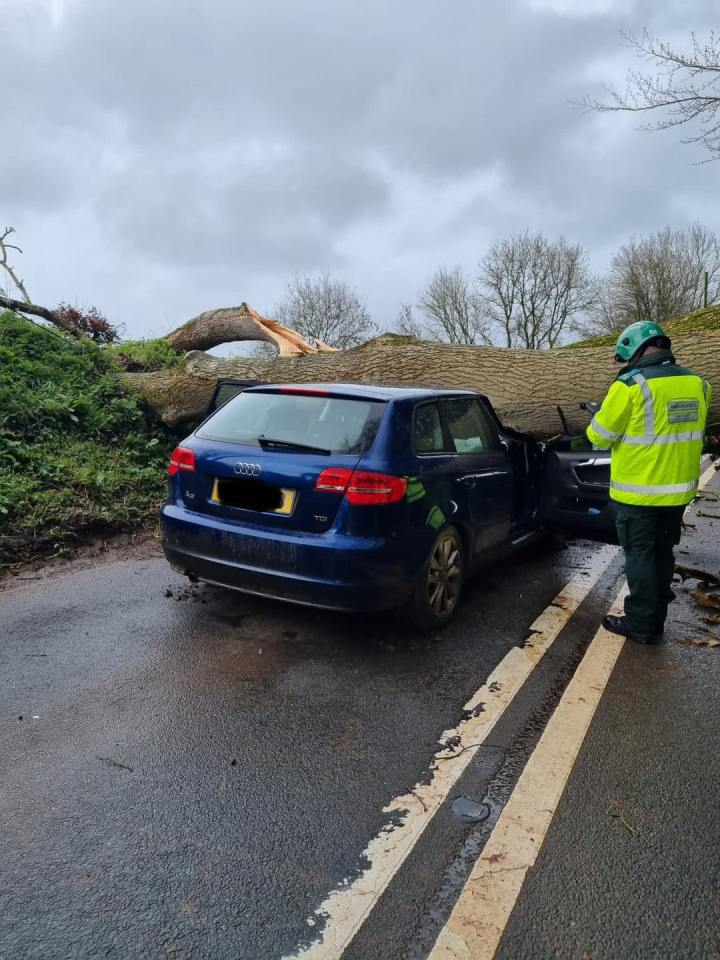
<point x="444" y="576"/>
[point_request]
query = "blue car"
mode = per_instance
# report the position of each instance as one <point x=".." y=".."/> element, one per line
<point x="366" y="498"/>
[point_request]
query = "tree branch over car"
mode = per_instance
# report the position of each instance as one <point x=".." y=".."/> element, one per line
<point x="683" y="88"/>
<point x="540" y="287"/>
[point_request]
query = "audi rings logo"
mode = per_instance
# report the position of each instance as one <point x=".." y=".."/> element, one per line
<point x="248" y="469"/>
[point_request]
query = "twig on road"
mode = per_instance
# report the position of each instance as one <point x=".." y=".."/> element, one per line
<point x="619" y="815"/>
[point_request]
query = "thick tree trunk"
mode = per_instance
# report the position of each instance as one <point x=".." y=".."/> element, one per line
<point x="230" y="324"/>
<point x="525" y="386"/>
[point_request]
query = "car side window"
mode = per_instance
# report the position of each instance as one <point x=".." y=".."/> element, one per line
<point x="428" y="434"/>
<point x="469" y="428"/>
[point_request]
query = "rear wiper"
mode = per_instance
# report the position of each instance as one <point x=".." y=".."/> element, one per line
<point x="269" y="443"/>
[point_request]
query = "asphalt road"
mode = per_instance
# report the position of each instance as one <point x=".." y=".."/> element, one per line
<point x="187" y="772"/>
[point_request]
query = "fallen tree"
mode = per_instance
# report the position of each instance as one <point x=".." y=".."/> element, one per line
<point x="525" y="386"/>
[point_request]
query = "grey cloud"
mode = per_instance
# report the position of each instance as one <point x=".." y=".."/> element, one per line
<point x="257" y="139"/>
<point x="282" y="215"/>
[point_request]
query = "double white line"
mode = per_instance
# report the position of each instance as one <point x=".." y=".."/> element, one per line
<point x="478" y="919"/>
<point x="345" y="909"/>
<point x="481" y="913"/>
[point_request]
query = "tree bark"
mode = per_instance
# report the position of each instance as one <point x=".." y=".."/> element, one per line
<point x="524" y="386"/>
<point x="230" y="324"/>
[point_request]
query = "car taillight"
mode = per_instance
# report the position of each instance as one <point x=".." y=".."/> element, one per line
<point x="369" y="488"/>
<point x="333" y="480"/>
<point x="305" y="391"/>
<point x="362" y="487"/>
<point x="182" y="459"/>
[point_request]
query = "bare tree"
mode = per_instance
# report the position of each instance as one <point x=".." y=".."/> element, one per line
<point x="406" y="324"/>
<point x="683" y="89"/>
<point x="326" y="310"/>
<point x="453" y="309"/>
<point x="602" y="316"/>
<point x="661" y="276"/>
<point x="4" y="247"/>
<point x="534" y="288"/>
<point x="24" y="305"/>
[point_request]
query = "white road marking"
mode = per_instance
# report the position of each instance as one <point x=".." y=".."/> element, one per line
<point x="346" y="908"/>
<point x="480" y="915"/>
<point x="706" y="477"/>
<point x="479" y="918"/>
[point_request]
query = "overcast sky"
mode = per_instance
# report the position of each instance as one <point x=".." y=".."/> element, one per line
<point x="161" y="157"/>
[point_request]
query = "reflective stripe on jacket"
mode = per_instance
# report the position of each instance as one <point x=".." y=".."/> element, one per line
<point x="653" y="420"/>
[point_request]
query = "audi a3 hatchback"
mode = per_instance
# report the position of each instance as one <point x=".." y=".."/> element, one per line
<point x="366" y="498"/>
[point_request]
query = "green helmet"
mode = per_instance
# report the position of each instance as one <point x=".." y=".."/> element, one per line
<point x="636" y="336"/>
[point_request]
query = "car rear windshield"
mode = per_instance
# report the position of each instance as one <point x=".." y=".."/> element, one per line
<point x="337" y="424"/>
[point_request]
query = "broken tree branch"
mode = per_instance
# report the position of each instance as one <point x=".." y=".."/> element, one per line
<point x="20" y="306"/>
<point x="232" y="324"/>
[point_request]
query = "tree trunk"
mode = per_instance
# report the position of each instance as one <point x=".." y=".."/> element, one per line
<point x="524" y="386"/>
<point x="230" y="324"/>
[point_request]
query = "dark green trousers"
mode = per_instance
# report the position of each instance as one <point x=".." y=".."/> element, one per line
<point x="648" y="535"/>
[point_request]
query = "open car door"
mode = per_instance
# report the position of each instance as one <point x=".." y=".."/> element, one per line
<point x="575" y="490"/>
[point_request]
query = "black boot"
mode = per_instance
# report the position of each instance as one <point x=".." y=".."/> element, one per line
<point x="617" y="625"/>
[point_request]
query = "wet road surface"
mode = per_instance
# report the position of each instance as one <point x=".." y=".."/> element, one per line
<point x="188" y="772"/>
<point x="190" y="777"/>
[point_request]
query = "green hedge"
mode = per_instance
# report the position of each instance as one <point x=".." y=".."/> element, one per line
<point x="78" y="456"/>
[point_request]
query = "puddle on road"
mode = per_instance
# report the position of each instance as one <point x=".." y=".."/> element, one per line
<point x="230" y="640"/>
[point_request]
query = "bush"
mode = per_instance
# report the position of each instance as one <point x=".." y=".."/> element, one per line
<point x="90" y="321"/>
<point x="77" y="454"/>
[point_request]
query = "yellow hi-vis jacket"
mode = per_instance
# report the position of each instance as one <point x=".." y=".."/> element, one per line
<point x="653" y="420"/>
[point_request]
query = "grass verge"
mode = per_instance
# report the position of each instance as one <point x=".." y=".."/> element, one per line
<point x="78" y="456"/>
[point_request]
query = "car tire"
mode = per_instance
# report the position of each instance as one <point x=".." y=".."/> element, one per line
<point x="436" y="593"/>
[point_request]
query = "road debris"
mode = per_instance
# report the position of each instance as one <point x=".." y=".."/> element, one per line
<point x="711" y="600"/>
<point x="691" y="573"/>
<point x="618" y="814"/>
<point x="469" y="811"/>
<point x="115" y="763"/>
<point x="475" y="712"/>
<point x="709" y="641"/>
<point x="418" y="798"/>
<point x="192" y="592"/>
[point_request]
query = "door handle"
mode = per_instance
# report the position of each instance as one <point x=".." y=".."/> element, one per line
<point x="484" y="474"/>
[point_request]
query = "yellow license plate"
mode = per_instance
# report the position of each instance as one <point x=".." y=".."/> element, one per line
<point x="287" y="501"/>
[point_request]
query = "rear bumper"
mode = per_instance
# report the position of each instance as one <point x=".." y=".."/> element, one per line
<point x="330" y="570"/>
